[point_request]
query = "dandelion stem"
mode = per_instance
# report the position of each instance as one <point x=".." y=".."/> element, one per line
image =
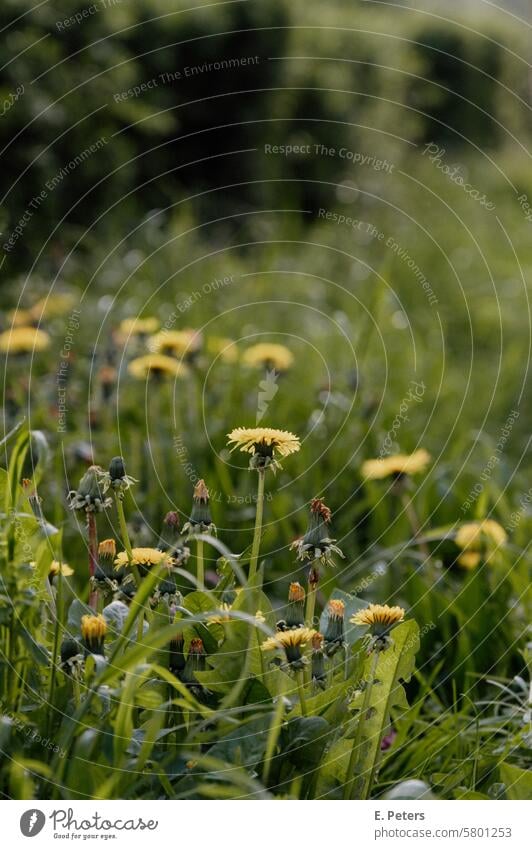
<point x="301" y="691"/>
<point x="200" y="564"/>
<point x="258" y="526"/>
<point x="350" y="777"/>
<point x="93" y="556"/>
<point x="129" y="551"/>
<point x="413" y="520"/>
<point x="311" y="603"/>
<point x="275" y="730"/>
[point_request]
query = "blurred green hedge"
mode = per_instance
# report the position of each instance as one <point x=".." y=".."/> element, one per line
<point x="351" y="66"/>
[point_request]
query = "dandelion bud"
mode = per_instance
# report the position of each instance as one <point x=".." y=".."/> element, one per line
<point x="295" y="614"/>
<point x="334" y="634"/>
<point x="116" y="477"/>
<point x="171" y="520"/>
<point x="319" y="675"/>
<point x="200" y="520"/>
<point x="116" y="469"/>
<point x="195" y="661"/>
<point x="106" y="557"/>
<point x="69" y="649"/>
<point x="176" y="660"/>
<point x="93" y="630"/>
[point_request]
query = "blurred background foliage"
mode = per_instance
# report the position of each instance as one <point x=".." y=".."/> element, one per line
<point x="324" y="75"/>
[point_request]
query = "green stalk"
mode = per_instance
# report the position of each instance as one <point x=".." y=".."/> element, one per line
<point x="301" y="691"/>
<point x="200" y="564"/>
<point x="350" y="777"/>
<point x="258" y="526"/>
<point x="55" y="649"/>
<point x="93" y="555"/>
<point x="311" y="604"/>
<point x="274" y="732"/>
<point x="129" y="551"/>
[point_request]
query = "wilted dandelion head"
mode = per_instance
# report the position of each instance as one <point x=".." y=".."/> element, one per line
<point x="317" y="543"/>
<point x="23" y="340"/>
<point x="334" y="632"/>
<point x="200" y="516"/>
<point x="336" y="608"/>
<point x="296" y="592"/>
<point x="264" y="444"/>
<point x="269" y="356"/>
<point x="156" y="365"/>
<point x="396" y="464"/>
<point x="317" y="641"/>
<point x="93" y="631"/>
<point x="89" y="496"/>
<point x="379" y="617"/>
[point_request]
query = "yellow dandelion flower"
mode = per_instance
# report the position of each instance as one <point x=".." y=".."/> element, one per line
<point x="270" y="356"/>
<point x="53" y="306"/>
<point x="379" y="617"/>
<point x="472" y="534"/>
<point x="469" y="560"/>
<point x="93" y="631"/>
<point x="156" y="365"/>
<point x="23" y="340"/>
<point x="224" y="348"/>
<point x="57" y="566"/>
<point x="177" y="342"/>
<point x="263" y="443"/>
<point x="292" y="642"/>
<point x="260" y="617"/>
<point x="477" y="539"/>
<point x="396" y="464"/>
<point x="20" y="317"/>
<point x="138" y="326"/>
<point x="143" y="558"/>
<point x="221" y="616"/>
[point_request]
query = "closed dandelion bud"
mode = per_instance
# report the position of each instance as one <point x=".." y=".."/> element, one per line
<point x="171" y="521"/>
<point x="295" y="613"/>
<point x="69" y="649"/>
<point x="319" y="675"/>
<point x="116" y="476"/>
<point x="200" y="516"/>
<point x="106" y="558"/>
<point x="116" y="469"/>
<point x="89" y="494"/>
<point x="334" y="634"/>
<point x="176" y="660"/>
<point x="93" y="630"/>
<point x="195" y="661"/>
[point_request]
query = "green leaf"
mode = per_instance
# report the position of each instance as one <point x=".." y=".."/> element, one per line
<point x="412" y="789"/>
<point x="303" y="741"/>
<point x="387" y="694"/>
<point x="518" y="781"/>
